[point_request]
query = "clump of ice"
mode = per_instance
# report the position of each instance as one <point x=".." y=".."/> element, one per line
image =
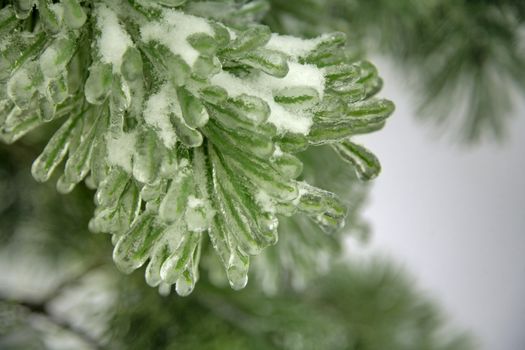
<point x="172" y="31"/>
<point x="157" y="113"/>
<point x="114" y="40"/>
<point x="121" y="150"/>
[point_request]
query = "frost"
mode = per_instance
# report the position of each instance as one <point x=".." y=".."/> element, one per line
<point x="121" y="151"/>
<point x="173" y="30"/>
<point x="157" y="114"/>
<point x="113" y="41"/>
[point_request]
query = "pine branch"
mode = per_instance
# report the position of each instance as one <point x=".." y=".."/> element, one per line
<point x="187" y="128"/>
<point x="40" y="309"/>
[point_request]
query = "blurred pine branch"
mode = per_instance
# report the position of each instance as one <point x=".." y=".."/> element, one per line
<point x="467" y="57"/>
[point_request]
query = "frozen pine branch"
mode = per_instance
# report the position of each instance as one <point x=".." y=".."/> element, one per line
<point x="188" y="128"/>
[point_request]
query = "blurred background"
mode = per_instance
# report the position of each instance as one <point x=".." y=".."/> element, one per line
<point x="453" y="214"/>
<point x="434" y="256"/>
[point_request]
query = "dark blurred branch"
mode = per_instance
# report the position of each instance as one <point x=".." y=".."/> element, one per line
<point x="40" y="308"/>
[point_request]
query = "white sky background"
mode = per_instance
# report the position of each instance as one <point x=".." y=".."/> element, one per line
<point x="454" y="217"/>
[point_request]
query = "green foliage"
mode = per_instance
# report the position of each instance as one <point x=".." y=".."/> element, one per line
<point x="365" y="307"/>
<point x="188" y="128"/>
<point x="465" y="56"/>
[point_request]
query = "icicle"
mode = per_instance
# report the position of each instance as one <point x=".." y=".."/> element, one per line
<point x="54" y="152"/>
<point x="158" y="256"/>
<point x="133" y="248"/>
<point x="237" y="270"/>
<point x="78" y="164"/>
<point x="250" y="107"/>
<point x="366" y="164"/>
<point x="178" y="261"/>
<point x="245" y="142"/>
<point x="324" y="207"/>
<point x="171" y="3"/>
<point x="111" y="188"/>
<point x="287" y="165"/>
<point x="204" y="43"/>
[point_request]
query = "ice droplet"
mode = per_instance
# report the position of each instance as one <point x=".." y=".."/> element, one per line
<point x="237" y="270"/>
<point x="185" y="284"/>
